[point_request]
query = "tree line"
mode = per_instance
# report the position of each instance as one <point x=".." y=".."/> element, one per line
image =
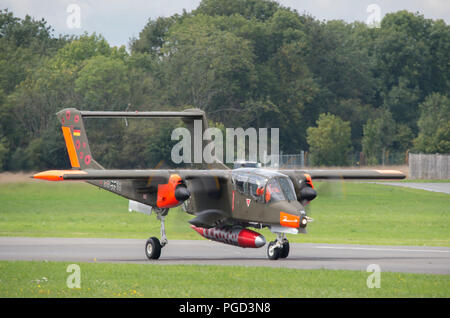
<point x="331" y="87"/>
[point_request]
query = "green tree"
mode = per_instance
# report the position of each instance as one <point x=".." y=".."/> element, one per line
<point x="152" y="37"/>
<point x="102" y="84"/>
<point x="257" y="9"/>
<point x="434" y="125"/>
<point x="379" y="135"/>
<point x="294" y="92"/>
<point x="206" y="67"/>
<point x="402" y="50"/>
<point x="83" y="63"/>
<point x="3" y="151"/>
<point x="403" y="103"/>
<point x="329" y="142"/>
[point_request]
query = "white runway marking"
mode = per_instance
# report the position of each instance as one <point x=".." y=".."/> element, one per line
<point x="382" y="249"/>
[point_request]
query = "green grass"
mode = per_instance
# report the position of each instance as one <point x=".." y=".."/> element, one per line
<point x="359" y="213"/>
<point x="420" y="180"/>
<point x="78" y="210"/>
<point x="343" y="212"/>
<point x="48" y="279"/>
<point x="366" y="213"/>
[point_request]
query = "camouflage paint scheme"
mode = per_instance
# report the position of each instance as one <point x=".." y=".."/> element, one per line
<point x="219" y="197"/>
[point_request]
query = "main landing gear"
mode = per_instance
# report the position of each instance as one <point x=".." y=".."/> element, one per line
<point x="278" y="248"/>
<point x="153" y="246"/>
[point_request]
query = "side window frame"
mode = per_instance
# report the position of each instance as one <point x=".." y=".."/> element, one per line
<point x="239" y="183"/>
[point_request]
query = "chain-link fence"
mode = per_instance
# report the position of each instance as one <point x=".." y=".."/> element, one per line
<point x="355" y="159"/>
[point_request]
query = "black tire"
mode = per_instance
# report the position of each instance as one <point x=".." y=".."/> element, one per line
<point x="273" y="254"/>
<point x="285" y="250"/>
<point x="153" y="248"/>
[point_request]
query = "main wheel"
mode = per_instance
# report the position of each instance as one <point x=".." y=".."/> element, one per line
<point x="285" y="250"/>
<point x="273" y="253"/>
<point x="153" y="248"/>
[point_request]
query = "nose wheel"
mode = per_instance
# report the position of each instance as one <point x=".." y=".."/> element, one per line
<point x="278" y="248"/>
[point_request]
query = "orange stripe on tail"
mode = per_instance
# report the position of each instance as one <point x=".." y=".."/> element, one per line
<point x="70" y="147"/>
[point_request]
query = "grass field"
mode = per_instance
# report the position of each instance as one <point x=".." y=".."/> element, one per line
<point x="350" y="212"/>
<point x="360" y="213"/>
<point x="41" y="279"/>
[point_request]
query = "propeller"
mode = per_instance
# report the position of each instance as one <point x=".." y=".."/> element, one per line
<point x="206" y="185"/>
<point x="326" y="189"/>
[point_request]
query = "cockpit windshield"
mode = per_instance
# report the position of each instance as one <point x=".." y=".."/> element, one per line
<point x="279" y="189"/>
<point x="288" y="188"/>
<point x="273" y="191"/>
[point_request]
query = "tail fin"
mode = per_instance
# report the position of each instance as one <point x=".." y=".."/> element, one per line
<point x="76" y="139"/>
<point x="77" y="142"/>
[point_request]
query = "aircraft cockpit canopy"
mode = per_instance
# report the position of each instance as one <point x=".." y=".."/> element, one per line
<point x="264" y="188"/>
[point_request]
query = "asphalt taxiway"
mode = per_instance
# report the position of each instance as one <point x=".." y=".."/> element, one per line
<point x="443" y="187"/>
<point x="411" y="259"/>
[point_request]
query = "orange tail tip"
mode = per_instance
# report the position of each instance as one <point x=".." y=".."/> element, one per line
<point x="56" y="175"/>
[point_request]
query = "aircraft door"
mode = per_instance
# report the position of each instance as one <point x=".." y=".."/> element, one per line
<point x="254" y="203"/>
<point x="248" y="196"/>
<point x="238" y="196"/>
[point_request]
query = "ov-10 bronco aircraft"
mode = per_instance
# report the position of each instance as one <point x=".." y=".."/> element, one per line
<point x="225" y="202"/>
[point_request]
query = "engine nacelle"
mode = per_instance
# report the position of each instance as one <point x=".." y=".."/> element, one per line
<point x="173" y="193"/>
<point x="308" y="194"/>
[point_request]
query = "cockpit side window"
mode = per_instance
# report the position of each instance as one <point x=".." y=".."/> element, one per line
<point x="273" y="191"/>
<point x="256" y="186"/>
<point x="250" y="185"/>
<point x="239" y="183"/>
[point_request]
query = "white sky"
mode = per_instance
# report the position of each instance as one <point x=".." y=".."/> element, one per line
<point x="119" y="20"/>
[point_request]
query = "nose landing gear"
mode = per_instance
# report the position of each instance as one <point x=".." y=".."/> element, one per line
<point x="278" y="248"/>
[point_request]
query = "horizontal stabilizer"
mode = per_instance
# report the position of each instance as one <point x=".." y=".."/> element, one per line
<point x="194" y="114"/>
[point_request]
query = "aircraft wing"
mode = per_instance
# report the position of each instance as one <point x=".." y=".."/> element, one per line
<point x="155" y="187"/>
<point x="346" y="174"/>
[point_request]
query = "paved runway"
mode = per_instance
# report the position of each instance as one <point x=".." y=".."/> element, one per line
<point x="443" y="187"/>
<point x="413" y="259"/>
